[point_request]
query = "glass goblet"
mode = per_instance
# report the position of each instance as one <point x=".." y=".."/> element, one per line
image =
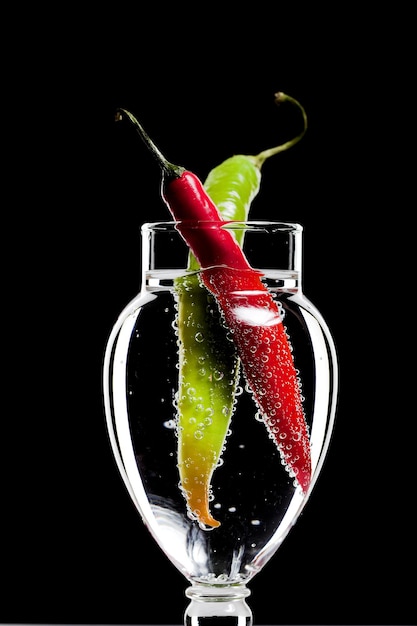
<point x="213" y="477"/>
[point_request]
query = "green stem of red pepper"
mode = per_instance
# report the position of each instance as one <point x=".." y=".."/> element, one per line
<point x="249" y="310"/>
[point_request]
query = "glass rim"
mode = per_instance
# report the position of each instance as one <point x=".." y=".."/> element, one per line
<point x="273" y="225"/>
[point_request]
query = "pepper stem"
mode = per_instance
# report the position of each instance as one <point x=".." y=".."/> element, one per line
<point x="169" y="169"/>
<point x="260" y="158"/>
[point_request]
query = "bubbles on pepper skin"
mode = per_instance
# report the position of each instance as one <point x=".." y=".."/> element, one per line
<point x="258" y="416"/>
<point x="191" y="392"/>
<point x="249" y="390"/>
<point x="201" y="524"/>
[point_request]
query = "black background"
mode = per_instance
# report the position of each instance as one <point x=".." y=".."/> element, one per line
<point x="73" y="548"/>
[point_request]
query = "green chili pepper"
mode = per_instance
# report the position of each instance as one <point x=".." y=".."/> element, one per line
<point x="209" y="372"/>
<point x="209" y="366"/>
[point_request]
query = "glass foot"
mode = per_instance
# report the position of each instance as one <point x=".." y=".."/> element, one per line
<point x="222" y="606"/>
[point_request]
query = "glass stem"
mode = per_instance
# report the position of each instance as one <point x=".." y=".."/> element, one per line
<point x="222" y="606"/>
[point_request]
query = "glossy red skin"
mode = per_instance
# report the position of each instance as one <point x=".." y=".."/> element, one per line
<point x="253" y="317"/>
<point x="212" y="245"/>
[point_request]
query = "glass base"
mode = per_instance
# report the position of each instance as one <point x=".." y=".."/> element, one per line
<point x="222" y="606"/>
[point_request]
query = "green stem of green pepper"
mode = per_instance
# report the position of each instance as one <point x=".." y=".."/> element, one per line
<point x="209" y="366"/>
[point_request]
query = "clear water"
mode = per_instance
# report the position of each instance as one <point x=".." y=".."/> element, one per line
<point x="253" y="496"/>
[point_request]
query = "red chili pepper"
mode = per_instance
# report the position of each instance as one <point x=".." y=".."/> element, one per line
<point x="253" y="317"/>
<point x="250" y="312"/>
